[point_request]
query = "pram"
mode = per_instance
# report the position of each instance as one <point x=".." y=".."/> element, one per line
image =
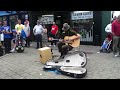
<point x="19" y="40"/>
<point x="106" y="45"/>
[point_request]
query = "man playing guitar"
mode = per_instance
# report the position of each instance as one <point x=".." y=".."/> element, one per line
<point x="62" y="46"/>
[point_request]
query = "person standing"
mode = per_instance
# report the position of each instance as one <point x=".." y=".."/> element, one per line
<point x="1" y="34"/>
<point x="7" y="37"/>
<point x="27" y="22"/>
<point x="19" y="27"/>
<point x="37" y="31"/>
<point x="116" y="36"/>
<point x="27" y="32"/>
<point x="53" y="33"/>
<point x="45" y="36"/>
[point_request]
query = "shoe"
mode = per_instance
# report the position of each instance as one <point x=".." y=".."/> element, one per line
<point x="117" y="55"/>
<point x="12" y="50"/>
<point x="61" y="57"/>
<point x="50" y="45"/>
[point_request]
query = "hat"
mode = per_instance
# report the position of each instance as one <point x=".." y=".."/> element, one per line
<point x="66" y="26"/>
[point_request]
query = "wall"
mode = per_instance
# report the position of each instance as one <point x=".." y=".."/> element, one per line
<point x="106" y="17"/>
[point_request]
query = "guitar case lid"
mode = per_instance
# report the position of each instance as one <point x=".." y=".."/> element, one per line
<point x="75" y="59"/>
<point x="72" y="65"/>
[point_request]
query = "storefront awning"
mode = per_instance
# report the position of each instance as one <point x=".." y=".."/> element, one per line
<point x="2" y="13"/>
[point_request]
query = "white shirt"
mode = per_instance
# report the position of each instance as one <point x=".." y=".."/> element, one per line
<point x="108" y="28"/>
<point x="27" y="30"/>
<point x="38" y="29"/>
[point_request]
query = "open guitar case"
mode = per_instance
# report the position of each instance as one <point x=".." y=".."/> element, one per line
<point x="70" y="65"/>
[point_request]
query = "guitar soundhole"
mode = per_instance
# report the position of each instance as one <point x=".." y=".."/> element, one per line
<point x="67" y="61"/>
<point x="56" y="61"/>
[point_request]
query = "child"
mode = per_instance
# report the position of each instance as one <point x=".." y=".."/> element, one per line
<point x="13" y="40"/>
<point x="106" y="42"/>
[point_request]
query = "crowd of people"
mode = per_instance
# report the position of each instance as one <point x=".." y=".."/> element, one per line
<point x="8" y="36"/>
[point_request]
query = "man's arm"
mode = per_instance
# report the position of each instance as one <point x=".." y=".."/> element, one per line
<point x="106" y="29"/>
<point x="113" y="28"/>
<point x="56" y="29"/>
<point x="75" y="34"/>
<point x="29" y="30"/>
<point x="34" y="29"/>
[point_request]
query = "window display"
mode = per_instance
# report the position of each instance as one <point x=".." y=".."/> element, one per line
<point x="82" y="22"/>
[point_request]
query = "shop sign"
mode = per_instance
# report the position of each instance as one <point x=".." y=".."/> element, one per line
<point x="76" y="15"/>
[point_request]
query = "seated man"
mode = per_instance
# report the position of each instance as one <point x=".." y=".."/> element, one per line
<point x="63" y="48"/>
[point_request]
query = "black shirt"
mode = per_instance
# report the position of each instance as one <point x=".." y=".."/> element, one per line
<point x="68" y="33"/>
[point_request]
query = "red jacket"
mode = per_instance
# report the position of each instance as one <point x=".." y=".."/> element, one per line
<point x="54" y="29"/>
<point x="116" y="28"/>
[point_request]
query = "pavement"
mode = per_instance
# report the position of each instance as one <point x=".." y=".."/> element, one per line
<point x="27" y="65"/>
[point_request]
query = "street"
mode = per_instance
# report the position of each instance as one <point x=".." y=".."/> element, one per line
<point x="27" y="65"/>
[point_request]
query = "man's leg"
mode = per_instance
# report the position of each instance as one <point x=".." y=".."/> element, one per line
<point x="115" y="44"/>
<point x="66" y="49"/>
<point x="9" y="44"/>
<point x="37" y="39"/>
<point x="28" y="41"/>
<point x="60" y="44"/>
<point x="119" y="45"/>
<point x="6" y="45"/>
<point x="40" y="37"/>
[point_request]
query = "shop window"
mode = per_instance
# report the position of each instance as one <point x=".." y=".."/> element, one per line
<point x="13" y="21"/>
<point x="82" y="22"/>
<point x="4" y="18"/>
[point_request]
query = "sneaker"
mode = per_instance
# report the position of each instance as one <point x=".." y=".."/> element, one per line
<point x="117" y="55"/>
<point x="12" y="50"/>
<point x="50" y="45"/>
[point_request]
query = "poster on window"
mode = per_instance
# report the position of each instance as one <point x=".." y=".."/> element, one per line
<point x="47" y="19"/>
<point x="76" y="15"/>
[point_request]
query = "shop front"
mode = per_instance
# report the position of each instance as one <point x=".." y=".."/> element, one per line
<point x="82" y="22"/>
<point x="90" y="24"/>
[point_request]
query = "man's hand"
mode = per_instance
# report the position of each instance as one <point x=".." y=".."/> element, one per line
<point x="29" y="35"/>
<point x="113" y="34"/>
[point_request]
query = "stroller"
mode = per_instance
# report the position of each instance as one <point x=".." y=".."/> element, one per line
<point x="20" y="42"/>
<point x="105" y="48"/>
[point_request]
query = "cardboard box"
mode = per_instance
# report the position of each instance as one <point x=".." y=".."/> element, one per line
<point x="45" y="54"/>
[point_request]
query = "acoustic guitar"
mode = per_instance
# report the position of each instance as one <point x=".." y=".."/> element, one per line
<point x="74" y="43"/>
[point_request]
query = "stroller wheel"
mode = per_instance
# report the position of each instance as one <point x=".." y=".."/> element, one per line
<point x="108" y="51"/>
